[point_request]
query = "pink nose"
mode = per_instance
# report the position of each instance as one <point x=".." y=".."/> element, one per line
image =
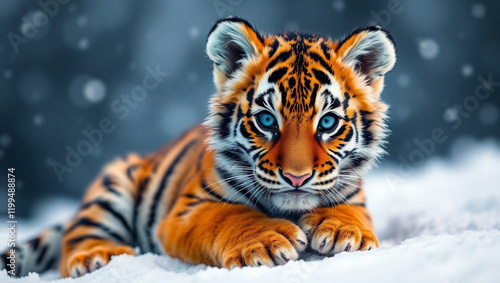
<point x="296" y="181"/>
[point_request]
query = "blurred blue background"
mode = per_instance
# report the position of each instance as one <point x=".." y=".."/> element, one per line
<point x="63" y="64"/>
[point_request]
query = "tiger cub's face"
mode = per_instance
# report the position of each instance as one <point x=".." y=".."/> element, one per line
<point x="296" y="118"/>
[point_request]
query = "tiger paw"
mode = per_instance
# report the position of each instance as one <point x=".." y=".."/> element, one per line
<point x="87" y="261"/>
<point x="278" y="242"/>
<point x="329" y="236"/>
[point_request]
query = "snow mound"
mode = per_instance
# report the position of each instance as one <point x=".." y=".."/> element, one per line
<point x="439" y="224"/>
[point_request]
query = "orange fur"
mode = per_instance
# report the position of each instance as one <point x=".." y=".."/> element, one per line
<point x="175" y="201"/>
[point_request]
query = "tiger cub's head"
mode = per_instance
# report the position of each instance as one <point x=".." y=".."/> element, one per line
<point x="297" y="118"/>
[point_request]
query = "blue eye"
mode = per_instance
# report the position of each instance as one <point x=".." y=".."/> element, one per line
<point x="327" y="123"/>
<point x="266" y="120"/>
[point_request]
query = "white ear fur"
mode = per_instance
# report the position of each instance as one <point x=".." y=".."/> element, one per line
<point x="369" y="51"/>
<point x="228" y="44"/>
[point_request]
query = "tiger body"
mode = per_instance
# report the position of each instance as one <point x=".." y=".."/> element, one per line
<point x="275" y="170"/>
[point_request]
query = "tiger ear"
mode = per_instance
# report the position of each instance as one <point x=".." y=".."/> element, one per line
<point x="370" y="52"/>
<point x="231" y="42"/>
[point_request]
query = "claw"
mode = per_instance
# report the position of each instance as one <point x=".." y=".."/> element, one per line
<point x="347" y="248"/>
<point x="322" y="245"/>
<point x="284" y="257"/>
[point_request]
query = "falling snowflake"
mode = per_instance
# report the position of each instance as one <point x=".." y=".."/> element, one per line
<point x="450" y="115"/>
<point x="338" y="5"/>
<point x="5" y="140"/>
<point x="82" y="21"/>
<point x="38" y="120"/>
<point x="94" y="91"/>
<point x="403" y="80"/>
<point x="83" y="44"/>
<point x="429" y="49"/>
<point x="194" y="32"/>
<point x="85" y="90"/>
<point x="403" y="112"/>
<point x="7" y="74"/>
<point x="478" y="10"/>
<point x="467" y="70"/>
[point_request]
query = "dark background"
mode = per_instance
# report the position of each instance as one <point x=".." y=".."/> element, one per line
<point x="89" y="53"/>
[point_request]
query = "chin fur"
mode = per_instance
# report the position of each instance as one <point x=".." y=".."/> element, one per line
<point x="289" y="202"/>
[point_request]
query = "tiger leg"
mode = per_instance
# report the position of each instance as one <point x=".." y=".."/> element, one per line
<point x="104" y="225"/>
<point x="341" y="228"/>
<point x="202" y="230"/>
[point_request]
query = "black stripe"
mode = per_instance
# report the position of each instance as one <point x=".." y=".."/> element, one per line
<point x="34" y="243"/>
<point x="340" y="132"/>
<point x="250" y="98"/>
<point x="138" y="200"/>
<point x="106" y="205"/>
<point x="76" y="240"/>
<point x="316" y="57"/>
<point x="184" y="212"/>
<point x="359" y="204"/>
<point x="84" y="221"/>
<point x="321" y="76"/>
<point x="365" y="129"/>
<point x="274" y="47"/>
<point x="260" y="99"/>
<point x="50" y="263"/>
<point x="161" y="188"/>
<point x="130" y="171"/>
<point x="224" y="125"/>
<point x="209" y="190"/>
<point x="345" y="103"/>
<point x="325" y="50"/>
<point x="107" y="183"/>
<point x="353" y="193"/>
<point x="190" y="196"/>
<point x="40" y="257"/>
<point x="234" y="184"/>
<point x="283" y="56"/>
<point x="277" y="75"/>
<point x="194" y="203"/>
<point x="235" y="157"/>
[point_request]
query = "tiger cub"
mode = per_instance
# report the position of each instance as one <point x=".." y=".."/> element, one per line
<point x="276" y="168"/>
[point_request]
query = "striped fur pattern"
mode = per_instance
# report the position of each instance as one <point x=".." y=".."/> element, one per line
<point x="275" y="170"/>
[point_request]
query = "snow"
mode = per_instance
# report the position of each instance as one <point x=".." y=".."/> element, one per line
<point x="85" y="90"/>
<point x="428" y="48"/>
<point x="94" y="90"/>
<point x="404" y="80"/>
<point x="338" y="5"/>
<point x="467" y="70"/>
<point x="5" y="140"/>
<point x="38" y="120"/>
<point x="478" y="10"/>
<point x="451" y="114"/>
<point x="440" y="224"/>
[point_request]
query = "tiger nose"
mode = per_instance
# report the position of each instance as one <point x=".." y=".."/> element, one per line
<point x="296" y="181"/>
